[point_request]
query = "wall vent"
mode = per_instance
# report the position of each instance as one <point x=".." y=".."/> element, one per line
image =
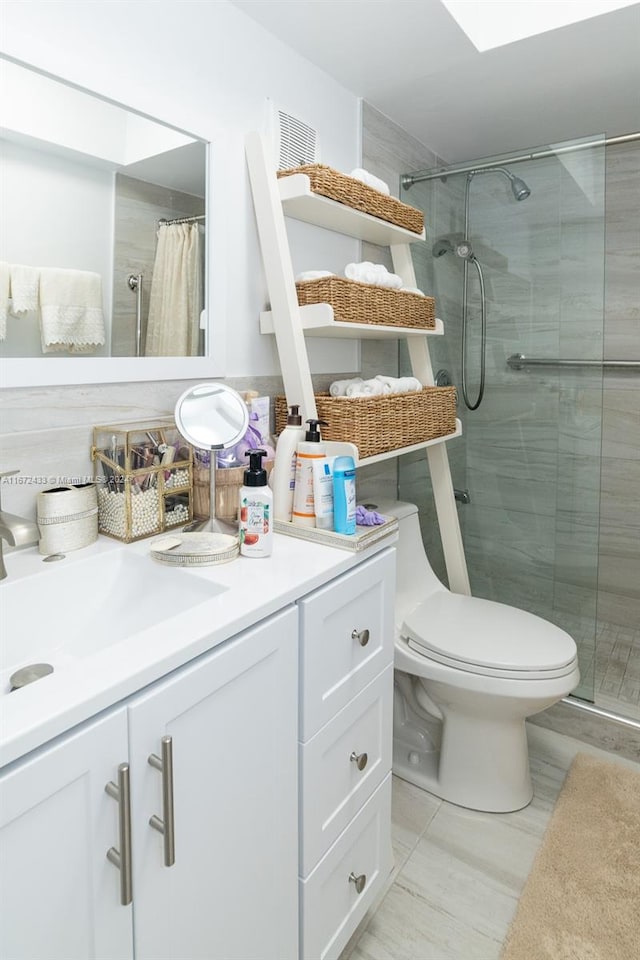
<point x="294" y="141"/>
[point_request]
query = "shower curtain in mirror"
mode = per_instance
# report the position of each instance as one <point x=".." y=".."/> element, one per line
<point x="176" y="298"/>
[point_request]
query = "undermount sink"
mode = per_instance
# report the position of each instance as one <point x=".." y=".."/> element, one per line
<point x="75" y="608"/>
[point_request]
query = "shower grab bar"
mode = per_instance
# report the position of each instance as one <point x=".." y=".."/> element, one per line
<point x="134" y="282"/>
<point x="518" y="361"/>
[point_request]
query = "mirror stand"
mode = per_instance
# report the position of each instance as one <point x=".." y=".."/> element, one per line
<point x="212" y="416"/>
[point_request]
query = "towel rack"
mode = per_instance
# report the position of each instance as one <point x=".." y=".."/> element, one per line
<point x="518" y="361"/>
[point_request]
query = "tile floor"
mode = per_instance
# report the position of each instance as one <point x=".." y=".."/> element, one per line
<point x="458" y="873"/>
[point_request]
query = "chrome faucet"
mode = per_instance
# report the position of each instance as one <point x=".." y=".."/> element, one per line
<point x="17" y="531"/>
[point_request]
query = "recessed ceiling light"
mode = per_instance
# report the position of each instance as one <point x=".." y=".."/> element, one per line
<point x="493" y="23"/>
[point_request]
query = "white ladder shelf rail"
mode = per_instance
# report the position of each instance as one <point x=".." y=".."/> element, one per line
<point x="285" y="319"/>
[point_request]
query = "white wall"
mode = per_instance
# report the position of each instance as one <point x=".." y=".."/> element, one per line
<point x="50" y="205"/>
<point x="206" y="68"/>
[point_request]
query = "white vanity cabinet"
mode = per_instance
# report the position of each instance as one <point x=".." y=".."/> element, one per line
<point x="345" y="747"/>
<point x="230" y="894"/>
<point x="59" y="896"/>
<point x="229" y="890"/>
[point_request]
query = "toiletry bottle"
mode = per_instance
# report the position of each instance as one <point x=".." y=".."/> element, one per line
<point x="310" y="449"/>
<point x="344" y="495"/>
<point x="255" y="509"/>
<point x="284" y="466"/>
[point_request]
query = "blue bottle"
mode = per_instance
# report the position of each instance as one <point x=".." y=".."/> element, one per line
<point x="344" y="495"/>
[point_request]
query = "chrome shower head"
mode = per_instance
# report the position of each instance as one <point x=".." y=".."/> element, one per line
<point x="520" y="190"/>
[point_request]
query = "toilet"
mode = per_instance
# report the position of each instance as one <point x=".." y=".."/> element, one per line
<point x="468" y="672"/>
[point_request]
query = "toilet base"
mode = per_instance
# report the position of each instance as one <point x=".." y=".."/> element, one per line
<point x="481" y="766"/>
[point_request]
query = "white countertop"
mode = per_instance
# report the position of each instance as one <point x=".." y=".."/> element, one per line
<point x="255" y="589"/>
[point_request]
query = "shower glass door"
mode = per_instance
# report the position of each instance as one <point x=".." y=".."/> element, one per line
<point x="529" y="457"/>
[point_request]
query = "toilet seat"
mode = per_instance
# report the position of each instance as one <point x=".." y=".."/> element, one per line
<point x="484" y="637"/>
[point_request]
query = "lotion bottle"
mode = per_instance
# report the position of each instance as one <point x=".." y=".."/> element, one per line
<point x="311" y="448"/>
<point x="283" y="475"/>
<point x="255" y="509"/>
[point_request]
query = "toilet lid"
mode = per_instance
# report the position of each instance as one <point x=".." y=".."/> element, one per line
<point x="482" y="636"/>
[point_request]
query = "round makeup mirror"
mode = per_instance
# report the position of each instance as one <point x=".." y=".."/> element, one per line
<point x="212" y="416"/>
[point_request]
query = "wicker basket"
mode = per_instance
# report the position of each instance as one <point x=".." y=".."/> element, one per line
<point x="353" y="193"/>
<point x="355" y="302"/>
<point x="380" y="424"/>
<point x="228" y="483"/>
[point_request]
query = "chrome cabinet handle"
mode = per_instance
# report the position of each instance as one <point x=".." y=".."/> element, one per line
<point x="166" y="825"/>
<point x="359" y="882"/>
<point x="122" y="858"/>
<point x="362" y="636"/>
<point x="360" y="759"/>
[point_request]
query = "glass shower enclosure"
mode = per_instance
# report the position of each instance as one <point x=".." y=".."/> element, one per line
<point x="515" y="259"/>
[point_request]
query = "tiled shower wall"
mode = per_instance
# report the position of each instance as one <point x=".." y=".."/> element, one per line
<point x="138" y="207"/>
<point x="619" y="556"/>
<point x="588" y="547"/>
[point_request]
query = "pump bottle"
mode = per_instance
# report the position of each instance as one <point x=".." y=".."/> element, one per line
<point x="255" y="509"/>
<point x="283" y="475"/>
<point x="312" y="448"/>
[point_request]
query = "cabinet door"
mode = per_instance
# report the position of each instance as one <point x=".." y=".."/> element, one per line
<point x="59" y="895"/>
<point x="232" y="891"/>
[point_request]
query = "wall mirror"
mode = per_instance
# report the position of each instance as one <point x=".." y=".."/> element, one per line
<point x="106" y="248"/>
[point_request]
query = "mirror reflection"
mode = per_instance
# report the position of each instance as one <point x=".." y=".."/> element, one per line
<point x="102" y="246"/>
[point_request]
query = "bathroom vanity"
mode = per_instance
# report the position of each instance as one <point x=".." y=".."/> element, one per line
<point x="216" y="784"/>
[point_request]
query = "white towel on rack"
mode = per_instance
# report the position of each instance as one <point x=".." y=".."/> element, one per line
<point x="25" y="282"/>
<point x="373" y="273"/>
<point x="400" y="384"/>
<point x="339" y="387"/>
<point x="4" y="297"/>
<point x="313" y="275"/>
<point x="371" y="181"/>
<point x="71" y="315"/>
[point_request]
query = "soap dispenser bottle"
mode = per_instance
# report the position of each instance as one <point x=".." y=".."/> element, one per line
<point x="255" y="512"/>
<point x="312" y="448"/>
<point x="283" y="475"/>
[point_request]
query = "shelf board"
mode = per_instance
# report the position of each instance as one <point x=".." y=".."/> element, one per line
<point x="390" y="454"/>
<point x="299" y="202"/>
<point x="318" y="321"/>
<point x="336" y="448"/>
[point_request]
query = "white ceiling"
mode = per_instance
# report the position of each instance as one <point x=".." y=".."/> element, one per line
<point x="410" y="60"/>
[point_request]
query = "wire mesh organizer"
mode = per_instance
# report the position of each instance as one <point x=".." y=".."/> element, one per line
<point x="355" y="302"/>
<point x="144" y="473"/>
<point x="380" y="424"/>
<point x="338" y="186"/>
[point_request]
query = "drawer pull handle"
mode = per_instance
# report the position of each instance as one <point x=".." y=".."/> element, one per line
<point x="121" y="857"/>
<point x="362" y="636"/>
<point x="359" y="882"/>
<point x="360" y="759"/>
<point x="165" y="826"/>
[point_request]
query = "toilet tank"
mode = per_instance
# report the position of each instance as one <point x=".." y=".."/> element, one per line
<point x="415" y="580"/>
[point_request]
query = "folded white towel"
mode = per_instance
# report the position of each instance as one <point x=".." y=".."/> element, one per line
<point x="415" y="290"/>
<point x="371" y="181"/>
<point x="339" y="387"/>
<point x="373" y="273"/>
<point x="401" y="384"/>
<point x="25" y="283"/>
<point x="367" y="388"/>
<point x="313" y="275"/>
<point x="4" y="297"/>
<point x="71" y="315"/>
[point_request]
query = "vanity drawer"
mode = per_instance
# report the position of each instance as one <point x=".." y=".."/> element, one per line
<point x="332" y="786"/>
<point x="331" y="907"/>
<point x="347" y="639"/>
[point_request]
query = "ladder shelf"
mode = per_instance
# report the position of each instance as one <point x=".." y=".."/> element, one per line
<point x="291" y="196"/>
